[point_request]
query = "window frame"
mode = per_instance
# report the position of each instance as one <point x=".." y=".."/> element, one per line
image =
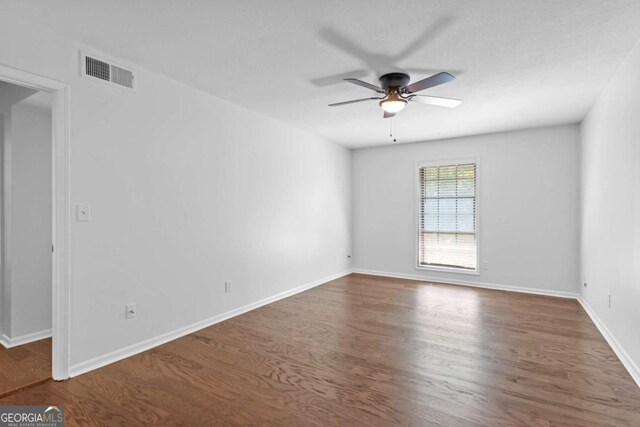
<point x="417" y="209"/>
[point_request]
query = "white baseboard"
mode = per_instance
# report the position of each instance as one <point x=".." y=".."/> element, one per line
<point x="114" y="356"/>
<point x="24" y="339"/>
<point x="471" y="283"/>
<point x="125" y="352"/>
<point x="628" y="363"/>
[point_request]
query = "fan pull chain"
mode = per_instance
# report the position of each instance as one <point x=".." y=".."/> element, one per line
<point x="391" y="129"/>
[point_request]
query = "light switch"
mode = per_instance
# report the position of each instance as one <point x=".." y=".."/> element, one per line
<point x="83" y="213"/>
<point x="130" y="312"/>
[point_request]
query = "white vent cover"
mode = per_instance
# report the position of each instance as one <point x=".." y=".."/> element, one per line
<point x="107" y="72"/>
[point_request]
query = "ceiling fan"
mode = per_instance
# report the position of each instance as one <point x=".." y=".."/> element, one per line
<point x="396" y="92"/>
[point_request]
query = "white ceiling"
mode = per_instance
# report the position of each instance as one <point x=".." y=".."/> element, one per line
<point x="11" y="94"/>
<point x="519" y="63"/>
<point x="41" y="100"/>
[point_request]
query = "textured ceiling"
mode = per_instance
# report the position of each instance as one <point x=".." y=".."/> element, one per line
<point x="519" y="63"/>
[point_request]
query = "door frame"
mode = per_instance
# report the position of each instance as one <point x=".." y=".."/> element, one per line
<point x="60" y="119"/>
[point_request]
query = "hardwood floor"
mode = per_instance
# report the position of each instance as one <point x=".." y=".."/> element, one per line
<point x="365" y="350"/>
<point x="24" y="365"/>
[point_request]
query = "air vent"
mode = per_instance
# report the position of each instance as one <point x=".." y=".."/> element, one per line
<point x="98" y="69"/>
<point x="121" y="77"/>
<point x="107" y="72"/>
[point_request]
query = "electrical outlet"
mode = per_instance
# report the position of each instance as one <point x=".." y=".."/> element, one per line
<point x="130" y="311"/>
<point x="227" y="287"/>
<point x="609" y="300"/>
<point x="485" y="265"/>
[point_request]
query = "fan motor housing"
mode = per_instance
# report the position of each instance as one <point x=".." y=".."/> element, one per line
<point x="394" y="80"/>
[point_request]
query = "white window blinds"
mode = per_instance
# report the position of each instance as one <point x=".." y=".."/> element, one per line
<point x="447" y="234"/>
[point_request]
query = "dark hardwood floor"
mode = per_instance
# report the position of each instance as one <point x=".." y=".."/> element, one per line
<point x="364" y="350"/>
<point x="24" y="365"/>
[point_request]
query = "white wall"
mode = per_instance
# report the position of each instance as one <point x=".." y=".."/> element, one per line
<point x="9" y="95"/>
<point x="528" y="207"/>
<point x="3" y="311"/>
<point x="186" y="191"/>
<point x="31" y="234"/>
<point x="610" y="167"/>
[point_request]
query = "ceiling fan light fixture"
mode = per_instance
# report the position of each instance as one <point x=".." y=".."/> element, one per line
<point x="393" y="103"/>
<point x="396" y="92"/>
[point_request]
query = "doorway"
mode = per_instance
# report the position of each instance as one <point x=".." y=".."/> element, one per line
<point x="34" y="296"/>
<point x="27" y="237"/>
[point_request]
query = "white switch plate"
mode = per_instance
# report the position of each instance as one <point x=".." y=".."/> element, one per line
<point x="83" y="213"/>
<point x="130" y="312"/>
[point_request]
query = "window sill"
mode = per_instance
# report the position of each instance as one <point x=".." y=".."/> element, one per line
<point x="450" y="270"/>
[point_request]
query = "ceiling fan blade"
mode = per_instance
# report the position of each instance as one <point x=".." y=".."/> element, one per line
<point x="432" y="81"/>
<point x="387" y="115"/>
<point x="436" y="100"/>
<point x="425" y="71"/>
<point x="427" y="36"/>
<point x="365" y="84"/>
<point x="339" y="78"/>
<point x="351" y="102"/>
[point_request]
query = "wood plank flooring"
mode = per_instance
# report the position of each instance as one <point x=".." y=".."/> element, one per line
<point x="365" y="350"/>
<point x="24" y="365"/>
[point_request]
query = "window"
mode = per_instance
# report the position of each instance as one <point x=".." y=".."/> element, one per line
<point x="447" y="221"/>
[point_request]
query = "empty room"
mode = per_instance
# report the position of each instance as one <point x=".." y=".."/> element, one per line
<point x="331" y="213"/>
